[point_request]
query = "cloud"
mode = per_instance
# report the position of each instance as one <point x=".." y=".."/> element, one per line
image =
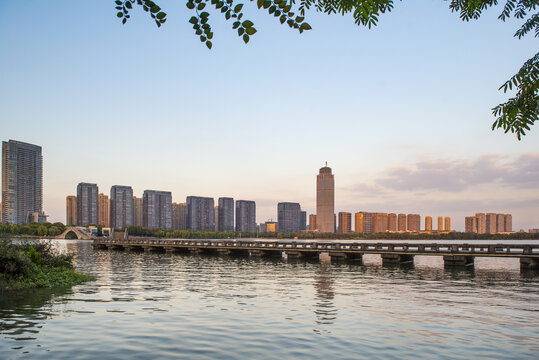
<point x="455" y="175"/>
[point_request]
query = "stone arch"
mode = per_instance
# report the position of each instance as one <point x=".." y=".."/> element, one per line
<point x="71" y="235"/>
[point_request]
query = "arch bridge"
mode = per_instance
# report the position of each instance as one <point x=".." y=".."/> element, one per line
<point x="81" y="233"/>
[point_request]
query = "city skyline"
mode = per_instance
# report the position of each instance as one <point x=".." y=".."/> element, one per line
<point x="420" y="144"/>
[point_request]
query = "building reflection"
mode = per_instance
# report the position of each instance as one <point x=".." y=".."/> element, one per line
<point x="324" y="307"/>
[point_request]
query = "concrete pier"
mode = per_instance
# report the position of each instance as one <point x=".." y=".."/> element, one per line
<point x="529" y="263"/>
<point x="459" y="260"/>
<point x="397" y="258"/>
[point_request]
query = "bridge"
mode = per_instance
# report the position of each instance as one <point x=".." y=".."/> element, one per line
<point x="81" y="233"/>
<point x="454" y="254"/>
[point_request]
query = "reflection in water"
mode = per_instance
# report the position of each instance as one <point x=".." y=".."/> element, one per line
<point x="206" y="306"/>
<point x="325" y="309"/>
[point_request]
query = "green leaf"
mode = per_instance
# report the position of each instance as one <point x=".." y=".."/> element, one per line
<point x="155" y="9"/>
<point x="260" y="3"/>
<point x="201" y="6"/>
<point x="236" y="25"/>
<point x="267" y="4"/>
<point x="246" y="38"/>
<point x="238" y="7"/>
<point x="299" y="19"/>
<point x="190" y="5"/>
<point x="250" y="31"/>
<point x="120" y="14"/>
<point x="227" y="15"/>
<point x="241" y="31"/>
<point x="161" y="15"/>
<point x="193" y="20"/>
<point x="282" y="19"/>
<point x="118" y="2"/>
<point x="124" y="20"/>
<point x="204" y="14"/>
<point x="209" y="44"/>
<point x="305" y="26"/>
<point x="128" y="5"/>
<point x="247" y="24"/>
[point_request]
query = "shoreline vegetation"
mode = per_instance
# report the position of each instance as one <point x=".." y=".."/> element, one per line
<point x="36" y="264"/>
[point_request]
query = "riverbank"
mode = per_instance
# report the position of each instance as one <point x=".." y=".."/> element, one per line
<point x="36" y="264"/>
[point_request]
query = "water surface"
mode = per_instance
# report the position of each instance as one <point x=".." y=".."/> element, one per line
<point x="151" y="305"/>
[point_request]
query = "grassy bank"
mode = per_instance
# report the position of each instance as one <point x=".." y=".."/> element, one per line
<point x="36" y="264"/>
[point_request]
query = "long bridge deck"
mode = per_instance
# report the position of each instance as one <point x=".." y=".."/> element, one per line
<point x="458" y="254"/>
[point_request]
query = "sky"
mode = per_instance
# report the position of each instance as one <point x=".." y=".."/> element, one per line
<point x="401" y="112"/>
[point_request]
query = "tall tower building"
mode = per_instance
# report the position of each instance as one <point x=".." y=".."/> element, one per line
<point x="157" y="209"/>
<point x="481" y="223"/>
<point x="288" y="217"/>
<point x="325" y="200"/>
<point x="392" y="222"/>
<point x="138" y="211"/>
<point x="200" y="213"/>
<point x="122" y="207"/>
<point x="103" y="205"/>
<point x="508" y="223"/>
<point x="368" y="222"/>
<point x="303" y="221"/>
<point x="345" y="222"/>
<point x="428" y="223"/>
<point x="380" y="222"/>
<point x="491" y="223"/>
<point x="179" y="216"/>
<point x="87" y="204"/>
<point x="71" y="210"/>
<point x="414" y="222"/>
<point x="22" y="181"/>
<point x="245" y="215"/>
<point x="226" y="214"/>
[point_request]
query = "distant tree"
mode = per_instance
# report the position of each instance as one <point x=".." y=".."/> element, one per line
<point x="516" y="115"/>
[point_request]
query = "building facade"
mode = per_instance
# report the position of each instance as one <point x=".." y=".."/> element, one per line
<point x="122" y="207"/>
<point x="288" y="217"/>
<point x="401" y="222"/>
<point x="345" y="222"/>
<point x="413" y="222"/>
<point x="325" y="200"/>
<point x="200" y="213"/>
<point x="225" y="219"/>
<point x="87" y="204"/>
<point x="392" y="222"/>
<point x="179" y="216"/>
<point x="380" y="222"/>
<point x="22" y="181"/>
<point x="157" y="209"/>
<point x="303" y="221"/>
<point x="447" y="223"/>
<point x="358" y="222"/>
<point x="103" y="205"/>
<point x="440" y="223"/>
<point x="138" y="211"/>
<point x="490" y="223"/>
<point x="368" y="222"/>
<point x="428" y="223"/>
<point x="71" y="210"/>
<point x="245" y="215"/>
<point x="312" y="222"/>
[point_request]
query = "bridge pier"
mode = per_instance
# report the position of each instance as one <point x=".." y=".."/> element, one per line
<point x="152" y="248"/>
<point x="458" y="260"/>
<point x="529" y="263"/>
<point x="397" y="258"/>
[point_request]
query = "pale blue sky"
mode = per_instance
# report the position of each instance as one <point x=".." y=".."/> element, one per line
<point x="405" y="103"/>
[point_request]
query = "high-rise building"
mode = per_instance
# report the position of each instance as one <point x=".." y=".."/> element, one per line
<point x="312" y="222"/>
<point x="401" y="219"/>
<point x="414" y="222"/>
<point x="245" y="215"/>
<point x="508" y="223"/>
<point x="271" y="226"/>
<point x="440" y="223"/>
<point x="87" y="204"/>
<point x="345" y="222"/>
<point x="226" y="214"/>
<point x="469" y="222"/>
<point x="303" y="221"/>
<point x="380" y="222"/>
<point x="392" y="222"/>
<point x="447" y="223"/>
<point x="325" y="200"/>
<point x="200" y="213"/>
<point x="491" y="223"/>
<point x="103" y="205"/>
<point x="358" y="223"/>
<point x="500" y="223"/>
<point x="216" y="217"/>
<point x="179" y="216"/>
<point x="428" y="223"/>
<point x="122" y="208"/>
<point x="481" y="223"/>
<point x="22" y="181"/>
<point x="157" y="209"/>
<point x="71" y="210"/>
<point x="289" y="216"/>
<point x="368" y="222"/>
<point x="138" y="211"/>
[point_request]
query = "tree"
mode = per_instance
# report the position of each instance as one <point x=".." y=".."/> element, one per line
<point x="516" y="115"/>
